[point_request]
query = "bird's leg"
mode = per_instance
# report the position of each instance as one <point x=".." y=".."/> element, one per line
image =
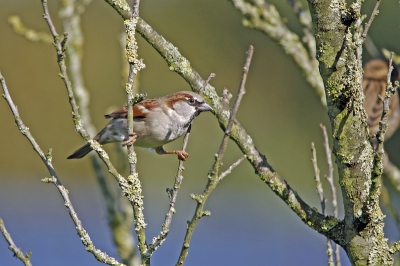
<point x="131" y="139"/>
<point x="182" y="155"/>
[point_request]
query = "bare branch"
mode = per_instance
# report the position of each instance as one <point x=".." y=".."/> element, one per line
<point x="119" y="212"/>
<point x="375" y="12"/>
<point x="380" y="135"/>
<point x="305" y="20"/>
<point x="320" y="190"/>
<point x="26" y="259"/>
<point x="131" y="186"/>
<point x="241" y="91"/>
<point x="387" y="53"/>
<point x="215" y="169"/>
<point x="322" y="199"/>
<point x="120" y="220"/>
<point x="329" y="177"/>
<point x="332" y="186"/>
<point x="47" y="158"/>
<point x="172" y="194"/>
<point x="135" y="65"/>
<point x="230" y="168"/>
<point x="384" y="122"/>
<point x="60" y="48"/>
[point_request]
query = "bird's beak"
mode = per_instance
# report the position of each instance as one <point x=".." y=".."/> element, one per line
<point x="204" y="107"/>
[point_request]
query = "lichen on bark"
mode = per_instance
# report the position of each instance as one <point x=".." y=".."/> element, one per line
<point x="338" y="41"/>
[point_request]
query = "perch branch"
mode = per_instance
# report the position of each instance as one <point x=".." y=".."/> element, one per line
<point x="120" y="220"/>
<point x="129" y="187"/>
<point x="173" y="193"/>
<point x="135" y="65"/>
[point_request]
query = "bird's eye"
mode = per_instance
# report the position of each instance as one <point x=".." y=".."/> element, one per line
<point x="191" y="101"/>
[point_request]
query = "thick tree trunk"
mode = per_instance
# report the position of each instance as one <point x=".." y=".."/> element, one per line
<point x="338" y="43"/>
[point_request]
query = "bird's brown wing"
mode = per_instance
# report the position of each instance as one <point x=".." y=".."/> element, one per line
<point x="119" y="113"/>
<point x="139" y="110"/>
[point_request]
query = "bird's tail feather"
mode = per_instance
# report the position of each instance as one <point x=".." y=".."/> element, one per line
<point x="81" y="152"/>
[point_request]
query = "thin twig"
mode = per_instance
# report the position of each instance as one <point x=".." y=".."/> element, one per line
<point x="303" y="15"/>
<point x="383" y="123"/>
<point x="235" y="107"/>
<point x="213" y="178"/>
<point x="47" y="158"/>
<point x="135" y="66"/>
<point x="60" y="49"/>
<point x="375" y="12"/>
<point x="322" y="199"/>
<point x="396" y="57"/>
<point x="172" y="194"/>
<point x="332" y="186"/>
<point x="320" y="190"/>
<point x="26" y="259"/>
<point x="241" y="91"/>
<point x="380" y="135"/>
<point x="305" y="20"/>
<point x="212" y="75"/>
<point x="329" y="177"/>
<point x="230" y="168"/>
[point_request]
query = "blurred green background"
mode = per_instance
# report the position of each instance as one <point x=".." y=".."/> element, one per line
<point x="249" y="224"/>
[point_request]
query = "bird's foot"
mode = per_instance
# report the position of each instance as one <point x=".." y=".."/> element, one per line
<point x="130" y="140"/>
<point x="182" y="155"/>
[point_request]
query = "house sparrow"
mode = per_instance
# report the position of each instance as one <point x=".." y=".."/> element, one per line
<point x="374" y="83"/>
<point x="156" y="122"/>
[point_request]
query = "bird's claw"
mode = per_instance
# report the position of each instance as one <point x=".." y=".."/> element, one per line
<point x="130" y="140"/>
<point x="182" y="155"/>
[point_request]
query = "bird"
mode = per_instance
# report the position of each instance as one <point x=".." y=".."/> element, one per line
<point x="374" y="83"/>
<point x="157" y="122"/>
